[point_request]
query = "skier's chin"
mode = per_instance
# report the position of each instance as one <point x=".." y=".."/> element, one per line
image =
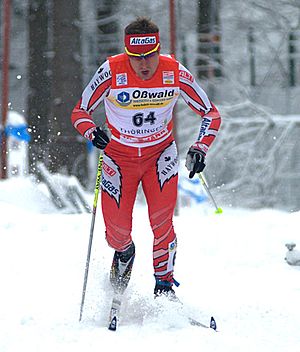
<point x="145" y="74"/>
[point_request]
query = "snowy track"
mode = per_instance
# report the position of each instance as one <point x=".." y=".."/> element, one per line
<point x="230" y="266"/>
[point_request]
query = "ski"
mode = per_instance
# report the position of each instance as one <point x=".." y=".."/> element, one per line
<point x="212" y="324"/>
<point x="114" y="313"/>
<point x="194" y="322"/>
<point x="114" y="317"/>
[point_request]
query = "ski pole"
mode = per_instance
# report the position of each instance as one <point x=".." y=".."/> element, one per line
<point x="97" y="187"/>
<point x="205" y="185"/>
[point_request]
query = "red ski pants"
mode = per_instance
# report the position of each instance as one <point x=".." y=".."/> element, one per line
<point x="156" y="167"/>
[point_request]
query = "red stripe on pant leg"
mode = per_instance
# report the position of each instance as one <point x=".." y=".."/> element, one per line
<point x="164" y="234"/>
<point x="117" y="237"/>
<point x="163" y="259"/>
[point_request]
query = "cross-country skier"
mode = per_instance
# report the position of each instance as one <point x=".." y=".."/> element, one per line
<point x="139" y="89"/>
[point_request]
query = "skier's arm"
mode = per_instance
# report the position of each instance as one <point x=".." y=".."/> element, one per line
<point x="92" y="96"/>
<point x="197" y="100"/>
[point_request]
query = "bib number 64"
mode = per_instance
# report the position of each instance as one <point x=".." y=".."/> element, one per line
<point x="139" y="119"/>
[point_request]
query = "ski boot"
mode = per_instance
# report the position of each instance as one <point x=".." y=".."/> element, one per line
<point x="164" y="288"/>
<point x="121" y="267"/>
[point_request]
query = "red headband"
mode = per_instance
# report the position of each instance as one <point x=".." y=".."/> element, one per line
<point x="141" y="44"/>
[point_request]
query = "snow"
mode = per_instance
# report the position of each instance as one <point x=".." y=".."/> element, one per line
<point x="230" y="265"/>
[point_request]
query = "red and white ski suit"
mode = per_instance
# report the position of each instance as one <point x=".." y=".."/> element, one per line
<point x="142" y="148"/>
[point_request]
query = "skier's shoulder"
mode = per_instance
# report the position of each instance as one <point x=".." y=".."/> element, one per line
<point x="168" y="58"/>
<point x="117" y="58"/>
<point x="168" y="63"/>
<point x="185" y="76"/>
<point x="103" y="71"/>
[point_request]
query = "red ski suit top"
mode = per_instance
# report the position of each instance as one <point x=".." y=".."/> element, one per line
<point x="123" y="95"/>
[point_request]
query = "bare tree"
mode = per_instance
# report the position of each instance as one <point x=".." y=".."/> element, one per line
<point x="39" y="81"/>
<point x="66" y="149"/>
<point x="107" y="29"/>
<point x="209" y="33"/>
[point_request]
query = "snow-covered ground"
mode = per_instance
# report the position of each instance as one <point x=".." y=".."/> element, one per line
<point x="230" y="266"/>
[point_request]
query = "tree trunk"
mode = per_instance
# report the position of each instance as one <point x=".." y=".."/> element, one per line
<point x="39" y="81"/>
<point x="108" y="40"/>
<point x="209" y="58"/>
<point x="67" y="149"/>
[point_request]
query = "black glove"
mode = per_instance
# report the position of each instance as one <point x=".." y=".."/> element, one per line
<point x="195" y="161"/>
<point x="100" y="139"/>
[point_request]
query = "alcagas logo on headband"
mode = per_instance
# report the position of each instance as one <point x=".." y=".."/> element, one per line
<point x="142" y="40"/>
<point x="141" y="44"/>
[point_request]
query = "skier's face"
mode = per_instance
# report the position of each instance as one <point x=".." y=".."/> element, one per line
<point x="145" y="66"/>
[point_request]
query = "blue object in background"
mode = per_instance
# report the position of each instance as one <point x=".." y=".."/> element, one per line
<point x="192" y="188"/>
<point x="20" y="132"/>
<point x="89" y="146"/>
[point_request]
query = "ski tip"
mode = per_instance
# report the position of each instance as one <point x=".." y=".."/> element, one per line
<point x="113" y="324"/>
<point x="213" y="324"/>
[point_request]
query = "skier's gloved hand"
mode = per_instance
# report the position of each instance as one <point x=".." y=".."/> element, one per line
<point x="99" y="138"/>
<point x="195" y="161"/>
